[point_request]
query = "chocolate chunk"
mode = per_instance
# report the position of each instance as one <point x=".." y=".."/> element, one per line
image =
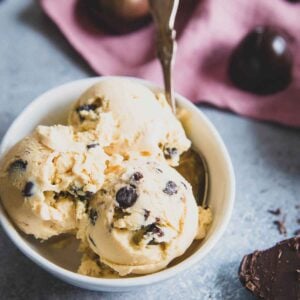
<point x="169" y="153"/>
<point x="171" y="188"/>
<point x="90" y="146"/>
<point x="17" y="165"/>
<point x="93" y="216"/>
<point x="137" y="176"/>
<point x="262" y="63"/>
<point x="126" y="196"/>
<point x="154" y="229"/>
<point x="159" y="170"/>
<point x="281" y="226"/>
<point x="273" y="273"/>
<point x="276" y="212"/>
<point x="86" y="107"/>
<point x="297" y="232"/>
<point x="28" y="189"/>
<point x="146" y="214"/>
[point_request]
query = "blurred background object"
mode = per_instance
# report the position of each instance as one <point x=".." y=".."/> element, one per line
<point x="262" y="63"/>
<point x="118" y="16"/>
<point x="222" y="58"/>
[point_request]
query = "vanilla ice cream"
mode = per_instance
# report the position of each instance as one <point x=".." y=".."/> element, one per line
<point x="143" y="217"/>
<point x="47" y="178"/>
<point x="131" y="120"/>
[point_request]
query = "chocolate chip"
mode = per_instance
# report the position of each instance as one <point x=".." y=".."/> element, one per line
<point x="137" y="176"/>
<point x="171" y="188"/>
<point x="17" y="165"/>
<point x="159" y="170"/>
<point x="154" y="229"/>
<point x="86" y="107"/>
<point x="93" y="216"/>
<point x="281" y="226"/>
<point x="126" y="196"/>
<point x="146" y="214"/>
<point x="28" y="189"/>
<point x="169" y="153"/>
<point x="90" y="146"/>
<point x="276" y="212"/>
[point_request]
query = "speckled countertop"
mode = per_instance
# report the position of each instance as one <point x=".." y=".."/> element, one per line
<point x="35" y="57"/>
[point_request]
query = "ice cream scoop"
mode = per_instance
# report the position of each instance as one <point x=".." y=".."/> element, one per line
<point x="130" y="120"/>
<point x="143" y="217"/>
<point x="48" y="177"/>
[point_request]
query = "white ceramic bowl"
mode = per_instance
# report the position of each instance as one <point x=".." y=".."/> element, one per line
<point x="51" y="108"/>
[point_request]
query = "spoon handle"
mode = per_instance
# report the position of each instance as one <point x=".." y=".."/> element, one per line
<point x="164" y="12"/>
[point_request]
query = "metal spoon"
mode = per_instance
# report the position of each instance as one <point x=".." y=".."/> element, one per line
<point x="164" y="13"/>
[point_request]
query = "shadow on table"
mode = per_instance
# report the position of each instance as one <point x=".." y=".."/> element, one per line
<point x="22" y="279"/>
<point x="229" y="285"/>
<point x="33" y="17"/>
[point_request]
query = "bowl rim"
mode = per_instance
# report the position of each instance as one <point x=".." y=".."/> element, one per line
<point x="143" y="280"/>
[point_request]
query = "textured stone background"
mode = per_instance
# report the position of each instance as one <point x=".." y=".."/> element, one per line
<point x="34" y="57"/>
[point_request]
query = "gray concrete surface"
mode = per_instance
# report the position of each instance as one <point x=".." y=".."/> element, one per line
<point x="35" y="57"/>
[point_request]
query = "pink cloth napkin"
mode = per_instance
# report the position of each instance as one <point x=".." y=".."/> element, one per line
<point x="208" y="31"/>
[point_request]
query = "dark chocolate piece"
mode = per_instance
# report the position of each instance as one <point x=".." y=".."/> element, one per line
<point x="297" y="232"/>
<point x="28" y="189"/>
<point x="171" y="188"/>
<point x="126" y="196"/>
<point x="169" y="153"/>
<point x="17" y="165"/>
<point x="262" y="63"/>
<point x="275" y="212"/>
<point x="137" y="176"/>
<point x="146" y="214"/>
<point x="274" y="273"/>
<point x="90" y="146"/>
<point x="280" y="226"/>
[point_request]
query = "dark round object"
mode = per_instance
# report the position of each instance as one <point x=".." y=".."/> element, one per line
<point x="262" y="63"/>
<point x="118" y="16"/>
<point x="137" y="176"/>
<point x="171" y="188"/>
<point x="126" y="196"/>
<point x="28" y="189"/>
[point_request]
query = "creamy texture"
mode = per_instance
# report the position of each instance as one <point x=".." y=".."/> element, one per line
<point x="159" y="226"/>
<point x="130" y="120"/>
<point x="47" y="177"/>
<point x="108" y="178"/>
